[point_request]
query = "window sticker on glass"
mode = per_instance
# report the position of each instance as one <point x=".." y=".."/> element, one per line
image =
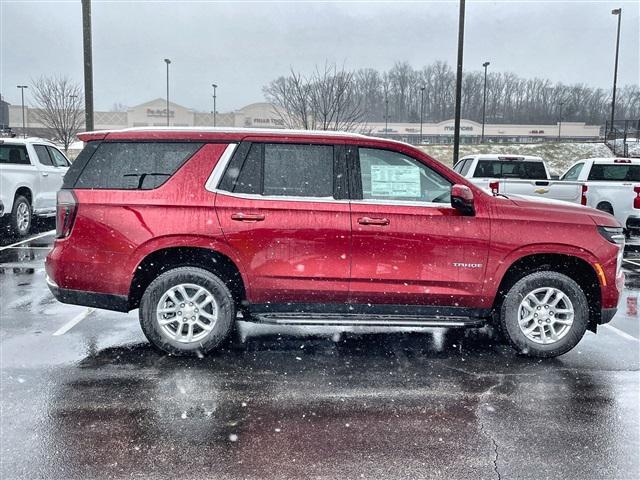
<point x="395" y="181"/>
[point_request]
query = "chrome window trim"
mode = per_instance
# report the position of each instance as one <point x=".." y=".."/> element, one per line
<point x="216" y="175"/>
<point x="280" y="198"/>
<point x="402" y="203"/>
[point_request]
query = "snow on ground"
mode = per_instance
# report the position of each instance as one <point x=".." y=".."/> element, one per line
<point x="559" y="156"/>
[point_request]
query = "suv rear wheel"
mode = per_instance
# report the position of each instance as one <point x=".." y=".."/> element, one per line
<point x="21" y="216"/>
<point x="545" y="314"/>
<point x="187" y="310"/>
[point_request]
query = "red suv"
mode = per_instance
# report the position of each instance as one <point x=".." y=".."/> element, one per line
<point x="300" y="228"/>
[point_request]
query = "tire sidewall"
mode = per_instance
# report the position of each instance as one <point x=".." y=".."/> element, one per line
<point x="14" y="216"/>
<point x="171" y="278"/>
<point x="511" y="306"/>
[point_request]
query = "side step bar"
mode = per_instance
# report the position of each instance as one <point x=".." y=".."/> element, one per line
<point x="365" y="320"/>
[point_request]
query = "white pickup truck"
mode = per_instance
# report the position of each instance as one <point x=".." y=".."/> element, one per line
<point x="517" y="175"/>
<point x="611" y="185"/>
<point x="31" y="173"/>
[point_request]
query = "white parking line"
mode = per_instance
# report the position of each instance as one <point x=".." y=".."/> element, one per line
<point x="73" y="322"/>
<point x="631" y="261"/>
<point x="45" y="234"/>
<point x="619" y="332"/>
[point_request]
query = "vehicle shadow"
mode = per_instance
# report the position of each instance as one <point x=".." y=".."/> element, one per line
<point x="277" y="406"/>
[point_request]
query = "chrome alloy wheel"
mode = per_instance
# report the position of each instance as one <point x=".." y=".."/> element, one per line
<point x="545" y="315"/>
<point x="23" y="217"/>
<point x="187" y="313"/>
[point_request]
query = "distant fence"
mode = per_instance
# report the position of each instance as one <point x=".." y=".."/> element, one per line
<point x="623" y="137"/>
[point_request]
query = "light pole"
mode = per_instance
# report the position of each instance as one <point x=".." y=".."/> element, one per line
<point x="24" y="129"/>
<point x="421" y="110"/>
<point x="386" y="114"/>
<point x="484" y="99"/>
<point x="168" y="62"/>
<point x="88" y="65"/>
<point x="560" y="120"/>
<point x="618" y="12"/>
<point x="456" y="133"/>
<point x="214" y="103"/>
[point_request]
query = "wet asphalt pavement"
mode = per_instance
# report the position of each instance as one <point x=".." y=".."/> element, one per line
<point x="99" y="402"/>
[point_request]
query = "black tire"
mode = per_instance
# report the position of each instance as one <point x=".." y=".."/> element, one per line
<point x="159" y="337"/>
<point x="605" y="207"/>
<point x="509" y="314"/>
<point x="18" y="226"/>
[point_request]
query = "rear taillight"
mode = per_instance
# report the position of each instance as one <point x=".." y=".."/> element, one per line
<point x="583" y="198"/>
<point x="495" y="187"/>
<point x="636" y="200"/>
<point x="66" y="207"/>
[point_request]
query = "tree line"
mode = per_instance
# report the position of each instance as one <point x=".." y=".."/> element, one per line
<point x="367" y="95"/>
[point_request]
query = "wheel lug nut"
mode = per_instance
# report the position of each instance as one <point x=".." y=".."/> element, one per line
<point x="182" y="305"/>
<point x="190" y="303"/>
<point x="179" y="313"/>
<point x="196" y="309"/>
<point x="535" y="314"/>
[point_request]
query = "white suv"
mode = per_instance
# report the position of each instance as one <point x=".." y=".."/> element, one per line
<point x="31" y="173"/>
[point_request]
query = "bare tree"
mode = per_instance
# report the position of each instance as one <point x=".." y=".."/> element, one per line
<point x="59" y="103"/>
<point x="326" y="100"/>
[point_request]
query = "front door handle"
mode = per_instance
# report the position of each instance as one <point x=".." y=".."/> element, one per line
<point x="373" y="221"/>
<point x="45" y="174"/>
<point x="247" y="217"/>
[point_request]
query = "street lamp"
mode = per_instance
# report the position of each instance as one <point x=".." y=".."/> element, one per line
<point x="167" y="61"/>
<point x="484" y="99"/>
<point x="214" y="103"/>
<point x="618" y="12"/>
<point x="24" y="129"/>
<point x="560" y="120"/>
<point x="421" y="110"/>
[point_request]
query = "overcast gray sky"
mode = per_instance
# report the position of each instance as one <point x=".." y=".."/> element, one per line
<point x="241" y="46"/>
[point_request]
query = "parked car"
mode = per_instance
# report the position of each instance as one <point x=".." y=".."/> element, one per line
<point x="301" y="228"/>
<point x="31" y="172"/>
<point x="518" y="175"/>
<point x="611" y="185"/>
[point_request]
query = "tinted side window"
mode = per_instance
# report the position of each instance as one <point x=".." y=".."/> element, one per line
<point x="612" y="172"/>
<point x="250" y="178"/>
<point x="298" y="170"/>
<point x="58" y="158"/>
<point x="467" y="165"/>
<point x="134" y="165"/>
<point x="574" y="172"/>
<point x="14" y="154"/>
<point x="78" y="165"/>
<point x="387" y="175"/>
<point x="43" y="155"/>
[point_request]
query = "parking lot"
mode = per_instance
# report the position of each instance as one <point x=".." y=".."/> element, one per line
<point x="84" y="395"/>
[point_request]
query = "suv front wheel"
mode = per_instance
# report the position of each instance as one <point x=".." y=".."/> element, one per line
<point x="187" y="310"/>
<point x="545" y="314"/>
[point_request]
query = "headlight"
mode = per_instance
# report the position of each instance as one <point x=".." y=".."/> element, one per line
<point x="612" y="234"/>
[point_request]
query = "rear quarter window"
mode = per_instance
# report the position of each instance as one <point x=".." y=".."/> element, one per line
<point x="130" y="165"/>
<point x="14" y="155"/>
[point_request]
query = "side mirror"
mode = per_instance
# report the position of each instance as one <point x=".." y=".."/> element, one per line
<point x="462" y="199"/>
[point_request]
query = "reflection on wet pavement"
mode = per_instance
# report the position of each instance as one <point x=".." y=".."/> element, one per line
<point x="100" y="402"/>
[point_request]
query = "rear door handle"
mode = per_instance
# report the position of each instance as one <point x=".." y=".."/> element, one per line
<point x="45" y="174"/>
<point x="373" y="221"/>
<point x="247" y="217"/>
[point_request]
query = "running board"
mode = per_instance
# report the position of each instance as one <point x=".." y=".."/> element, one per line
<point x="365" y="320"/>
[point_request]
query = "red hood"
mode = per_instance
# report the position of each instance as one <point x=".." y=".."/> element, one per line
<point x="558" y="206"/>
